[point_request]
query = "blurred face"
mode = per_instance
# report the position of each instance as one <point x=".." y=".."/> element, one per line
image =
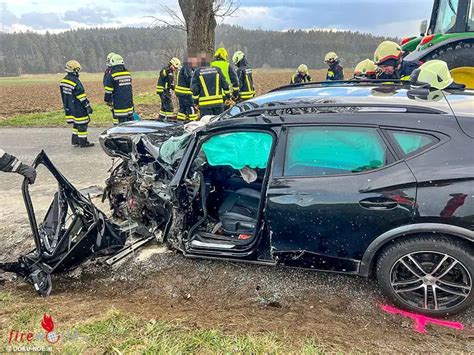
<point x="387" y="69"/>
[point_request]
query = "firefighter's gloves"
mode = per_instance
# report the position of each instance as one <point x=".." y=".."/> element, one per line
<point x="28" y="172"/>
<point x="89" y="110"/>
<point x="229" y="103"/>
<point x="109" y="103"/>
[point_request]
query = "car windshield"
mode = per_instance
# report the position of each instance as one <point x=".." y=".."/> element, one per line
<point x="172" y="150"/>
<point x="446" y="17"/>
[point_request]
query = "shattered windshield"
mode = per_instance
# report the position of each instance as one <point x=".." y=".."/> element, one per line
<point x="172" y="150"/>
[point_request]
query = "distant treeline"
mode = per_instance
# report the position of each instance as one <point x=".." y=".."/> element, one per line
<point x="150" y="48"/>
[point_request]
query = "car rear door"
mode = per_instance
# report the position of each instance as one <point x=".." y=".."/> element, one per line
<point x="335" y="188"/>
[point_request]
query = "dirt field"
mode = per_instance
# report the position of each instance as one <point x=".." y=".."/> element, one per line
<point x="34" y="95"/>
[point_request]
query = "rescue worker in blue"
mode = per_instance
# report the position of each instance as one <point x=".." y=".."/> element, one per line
<point x="77" y="107"/>
<point x="390" y="64"/>
<point x="210" y="89"/>
<point x="11" y="164"/>
<point x="164" y="86"/>
<point x="221" y="61"/>
<point x="245" y="76"/>
<point x="335" y="71"/>
<point x="187" y="111"/>
<point x="118" y="91"/>
<point x="301" y="75"/>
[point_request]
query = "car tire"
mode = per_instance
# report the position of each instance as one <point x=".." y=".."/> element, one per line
<point x="456" y="56"/>
<point x="433" y="294"/>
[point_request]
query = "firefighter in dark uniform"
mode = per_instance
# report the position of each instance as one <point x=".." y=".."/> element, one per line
<point x="301" y="75"/>
<point x="390" y="64"/>
<point x="11" y="164"/>
<point x="210" y="89"/>
<point x="118" y="91"/>
<point x="183" y="92"/>
<point x="335" y="71"/>
<point x="245" y="76"/>
<point x="221" y="61"/>
<point x="77" y="107"/>
<point x="164" y="86"/>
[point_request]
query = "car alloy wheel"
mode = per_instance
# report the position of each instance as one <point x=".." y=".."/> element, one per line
<point x="430" y="280"/>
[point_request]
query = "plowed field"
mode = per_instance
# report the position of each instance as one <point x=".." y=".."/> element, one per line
<point x="33" y="94"/>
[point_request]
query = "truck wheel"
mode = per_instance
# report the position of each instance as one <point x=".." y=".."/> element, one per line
<point x="428" y="275"/>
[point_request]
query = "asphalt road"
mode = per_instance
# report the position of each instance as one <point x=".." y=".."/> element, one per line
<point x="81" y="166"/>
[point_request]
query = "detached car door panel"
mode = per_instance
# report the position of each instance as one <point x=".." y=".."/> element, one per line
<point x="339" y="188"/>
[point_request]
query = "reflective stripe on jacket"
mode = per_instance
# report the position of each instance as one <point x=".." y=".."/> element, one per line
<point x="229" y="74"/>
<point x="183" y="81"/>
<point x="247" y="90"/>
<point x="74" y="99"/>
<point x="209" y="87"/>
<point x="118" y="90"/>
<point x="165" y="80"/>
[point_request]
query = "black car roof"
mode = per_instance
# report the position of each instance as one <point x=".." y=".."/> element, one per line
<point x="301" y="103"/>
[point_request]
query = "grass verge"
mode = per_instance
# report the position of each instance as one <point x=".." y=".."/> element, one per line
<point x="101" y="116"/>
<point x="120" y="333"/>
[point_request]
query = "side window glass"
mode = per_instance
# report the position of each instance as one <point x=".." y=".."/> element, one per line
<point x="319" y="151"/>
<point x="413" y="142"/>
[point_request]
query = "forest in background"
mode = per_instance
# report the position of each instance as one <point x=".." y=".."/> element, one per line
<point x="151" y="48"/>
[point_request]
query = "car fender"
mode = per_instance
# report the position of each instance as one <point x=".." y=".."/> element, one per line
<point x="369" y="256"/>
<point x="419" y="55"/>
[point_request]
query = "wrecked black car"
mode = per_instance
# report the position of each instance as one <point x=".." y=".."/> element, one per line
<point x="354" y="178"/>
<point x="368" y="179"/>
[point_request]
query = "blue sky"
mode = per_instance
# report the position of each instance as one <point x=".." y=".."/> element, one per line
<point x="391" y="18"/>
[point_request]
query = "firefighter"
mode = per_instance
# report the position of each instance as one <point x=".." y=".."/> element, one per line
<point x="11" y="164"/>
<point x="118" y="91"/>
<point x="221" y="58"/>
<point x="183" y="91"/>
<point x="301" y="75"/>
<point x="335" y="71"/>
<point x="210" y="89"/>
<point x="77" y="107"/>
<point x="245" y="76"/>
<point x="365" y="70"/>
<point x="164" y="86"/>
<point x="388" y="58"/>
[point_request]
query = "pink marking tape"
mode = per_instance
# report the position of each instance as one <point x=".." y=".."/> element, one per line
<point x="421" y="321"/>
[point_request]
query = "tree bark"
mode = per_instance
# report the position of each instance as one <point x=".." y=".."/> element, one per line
<point x="200" y="25"/>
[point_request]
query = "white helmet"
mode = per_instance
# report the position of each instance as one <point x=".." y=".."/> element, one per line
<point x="303" y="68"/>
<point x="237" y="57"/>
<point x="116" y="60"/>
<point x="175" y="62"/>
<point x="434" y="73"/>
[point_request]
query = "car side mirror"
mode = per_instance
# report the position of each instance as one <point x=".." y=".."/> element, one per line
<point x="423" y="27"/>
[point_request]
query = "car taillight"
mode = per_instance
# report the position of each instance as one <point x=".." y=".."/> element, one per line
<point x="426" y="40"/>
<point x="406" y="40"/>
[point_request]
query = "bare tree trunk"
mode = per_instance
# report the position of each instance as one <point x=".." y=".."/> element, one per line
<point x="200" y="24"/>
